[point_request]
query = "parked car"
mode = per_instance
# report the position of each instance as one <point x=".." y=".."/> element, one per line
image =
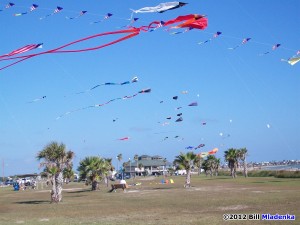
<point x="9" y="182"/>
<point x="26" y="181"/>
<point x="180" y="172"/>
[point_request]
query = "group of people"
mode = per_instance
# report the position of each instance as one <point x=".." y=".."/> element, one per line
<point x="21" y="184"/>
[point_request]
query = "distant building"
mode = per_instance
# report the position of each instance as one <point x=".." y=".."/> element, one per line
<point x="148" y="165"/>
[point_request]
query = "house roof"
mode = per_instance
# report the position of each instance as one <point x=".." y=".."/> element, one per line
<point x="152" y="162"/>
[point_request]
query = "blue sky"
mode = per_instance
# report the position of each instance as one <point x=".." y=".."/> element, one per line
<point x="238" y="91"/>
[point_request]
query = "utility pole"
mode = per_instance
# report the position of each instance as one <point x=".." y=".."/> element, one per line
<point x="3" y="170"/>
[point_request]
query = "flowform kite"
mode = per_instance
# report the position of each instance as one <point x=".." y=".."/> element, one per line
<point x="99" y="105"/>
<point x="32" y="8"/>
<point x="293" y="60"/>
<point x="245" y="40"/>
<point x="162" y="7"/>
<point x="79" y="15"/>
<point x="204" y="154"/>
<point x="57" y="10"/>
<point x="133" y="80"/>
<point x="193" y="20"/>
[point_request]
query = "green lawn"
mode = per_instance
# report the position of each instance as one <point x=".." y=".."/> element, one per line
<point x="154" y="203"/>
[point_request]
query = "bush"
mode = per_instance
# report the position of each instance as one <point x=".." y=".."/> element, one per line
<point x="287" y="174"/>
<point x="266" y="173"/>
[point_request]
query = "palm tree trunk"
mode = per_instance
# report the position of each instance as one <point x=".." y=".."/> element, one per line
<point x="245" y="168"/>
<point x="94" y="185"/>
<point x="199" y="168"/>
<point x="188" y="179"/>
<point x="234" y="170"/>
<point x="53" y="191"/>
<point x="56" y="193"/>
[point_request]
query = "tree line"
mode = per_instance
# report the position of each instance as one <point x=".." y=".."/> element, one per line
<point x="57" y="163"/>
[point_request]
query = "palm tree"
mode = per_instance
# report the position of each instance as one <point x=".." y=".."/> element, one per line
<point x="186" y="161"/>
<point x="242" y="152"/>
<point x="93" y="168"/>
<point x="140" y="166"/>
<point x="136" y="158"/>
<point x="119" y="157"/>
<point x="125" y="164"/>
<point x="165" y="166"/>
<point x="198" y="163"/>
<point x="111" y="168"/>
<point x="231" y="156"/>
<point x="56" y="159"/>
<point x="68" y="174"/>
<point x="216" y="165"/>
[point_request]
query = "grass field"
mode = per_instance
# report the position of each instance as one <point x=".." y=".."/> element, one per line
<point x="153" y="203"/>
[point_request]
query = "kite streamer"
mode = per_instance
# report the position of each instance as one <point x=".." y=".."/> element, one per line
<point x="37" y="99"/>
<point x="217" y="34"/>
<point x="123" y="139"/>
<point x="273" y="48"/>
<point x="130" y="33"/>
<point x="182" y="32"/>
<point x="57" y="10"/>
<point x="192" y="20"/>
<point x="8" y="5"/>
<point x="107" y="16"/>
<point x="132" y="21"/>
<point x="133" y="80"/>
<point x="99" y="105"/>
<point x="32" y="8"/>
<point x="245" y="40"/>
<point x="75" y="17"/>
<point x="24" y="49"/>
<point x="193" y="104"/>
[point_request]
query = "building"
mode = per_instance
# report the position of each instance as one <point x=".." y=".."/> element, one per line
<point x="148" y="165"/>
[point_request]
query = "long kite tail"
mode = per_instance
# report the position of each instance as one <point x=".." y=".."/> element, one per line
<point x="197" y="22"/>
<point x="148" y="90"/>
<point x="133" y="80"/>
<point x="130" y="33"/>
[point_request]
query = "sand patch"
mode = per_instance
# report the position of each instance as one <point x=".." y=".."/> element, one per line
<point x="133" y="191"/>
<point x="44" y="220"/>
<point x="148" y="178"/>
<point x="233" y="207"/>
